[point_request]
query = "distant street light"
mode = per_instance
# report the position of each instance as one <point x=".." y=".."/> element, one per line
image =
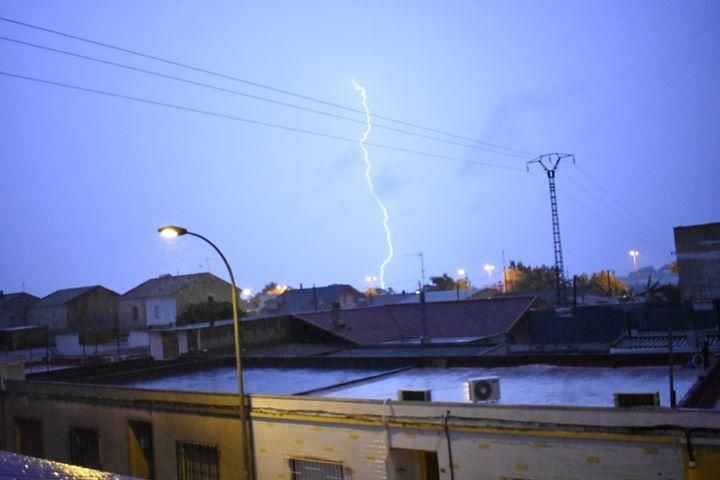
<point x="489" y="269"/>
<point x="461" y="273"/>
<point x="171" y="231"/>
<point x="634" y="254"/>
<point x="370" y="279"/>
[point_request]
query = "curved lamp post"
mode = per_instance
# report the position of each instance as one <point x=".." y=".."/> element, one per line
<point x="172" y="231"/>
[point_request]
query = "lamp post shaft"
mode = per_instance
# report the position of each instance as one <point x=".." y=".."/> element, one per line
<point x="247" y="455"/>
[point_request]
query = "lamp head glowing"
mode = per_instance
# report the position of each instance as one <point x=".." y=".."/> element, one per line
<point x="634" y="253"/>
<point x="171" y="231"/>
<point x="461" y="272"/>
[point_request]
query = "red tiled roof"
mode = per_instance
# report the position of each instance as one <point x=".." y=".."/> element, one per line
<point x="464" y="319"/>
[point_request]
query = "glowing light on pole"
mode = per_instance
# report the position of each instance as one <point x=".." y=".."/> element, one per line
<point x="489" y="269"/>
<point x="634" y="254"/>
<point x="371" y="186"/>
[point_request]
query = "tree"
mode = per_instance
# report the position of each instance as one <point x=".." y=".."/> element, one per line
<point x="605" y="282"/>
<point x="206" y="312"/>
<point x="446" y="282"/>
<point x="273" y="288"/>
<point x="656" y="293"/>
<point x="524" y="278"/>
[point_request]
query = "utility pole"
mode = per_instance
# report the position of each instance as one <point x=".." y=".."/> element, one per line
<point x="505" y="289"/>
<point x="550" y="163"/>
<point x="422" y="270"/>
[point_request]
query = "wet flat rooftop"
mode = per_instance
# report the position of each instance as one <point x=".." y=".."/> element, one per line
<point x="520" y="385"/>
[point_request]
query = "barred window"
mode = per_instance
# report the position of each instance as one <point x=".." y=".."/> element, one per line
<point x="304" y="469"/>
<point x="84" y="447"/>
<point x="196" y="461"/>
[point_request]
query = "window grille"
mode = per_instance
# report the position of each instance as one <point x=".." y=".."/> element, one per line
<point x="196" y="461"/>
<point x="302" y="469"/>
<point x="84" y="447"/>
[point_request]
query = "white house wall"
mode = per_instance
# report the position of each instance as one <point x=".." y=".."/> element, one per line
<point x="161" y="311"/>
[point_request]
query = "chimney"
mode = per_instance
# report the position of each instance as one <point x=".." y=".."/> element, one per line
<point x="336" y="316"/>
<point x="165" y="275"/>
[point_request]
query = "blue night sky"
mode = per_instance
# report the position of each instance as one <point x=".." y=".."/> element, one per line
<point x="631" y="88"/>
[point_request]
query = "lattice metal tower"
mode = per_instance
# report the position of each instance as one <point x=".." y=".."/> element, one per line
<point x="550" y="163"/>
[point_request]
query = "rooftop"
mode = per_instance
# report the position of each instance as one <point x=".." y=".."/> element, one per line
<point x="470" y="320"/>
<point x="166" y="285"/>
<point x="300" y="300"/>
<point x="61" y="297"/>
<point x="527" y="384"/>
<point x="519" y="385"/>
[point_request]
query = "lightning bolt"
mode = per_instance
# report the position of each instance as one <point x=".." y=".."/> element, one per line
<point x="371" y="186"/>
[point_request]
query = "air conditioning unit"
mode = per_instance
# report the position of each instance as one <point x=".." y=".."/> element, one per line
<point x="484" y="389"/>
<point x="414" y="395"/>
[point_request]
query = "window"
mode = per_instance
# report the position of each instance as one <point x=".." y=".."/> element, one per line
<point x="136" y="313"/>
<point x="196" y="461"/>
<point x="84" y="447"/>
<point x="157" y="311"/>
<point x="304" y="469"/>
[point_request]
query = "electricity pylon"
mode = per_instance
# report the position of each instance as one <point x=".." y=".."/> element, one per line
<point x="550" y="163"/>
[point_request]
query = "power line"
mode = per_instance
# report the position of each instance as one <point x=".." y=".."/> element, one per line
<point x="615" y="210"/>
<point x="249" y="120"/>
<point x="612" y="197"/>
<point x="257" y="84"/>
<point x="247" y="95"/>
<point x="584" y="206"/>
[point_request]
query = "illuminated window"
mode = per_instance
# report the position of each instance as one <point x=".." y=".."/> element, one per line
<point x="304" y="469"/>
<point x="196" y="461"/>
<point x="84" y="447"/>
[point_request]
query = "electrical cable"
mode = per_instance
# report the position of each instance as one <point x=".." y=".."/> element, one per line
<point x="248" y="95"/>
<point x="612" y="197"/>
<point x="256" y="84"/>
<point x="250" y="121"/>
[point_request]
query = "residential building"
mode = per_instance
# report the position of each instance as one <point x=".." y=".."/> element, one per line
<point x="697" y="250"/>
<point x="14" y="308"/>
<point x="536" y="421"/>
<point x="159" y="301"/>
<point x="83" y="309"/>
<point x="314" y="299"/>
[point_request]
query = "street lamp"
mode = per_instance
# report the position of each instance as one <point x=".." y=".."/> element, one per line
<point x="634" y="254"/>
<point x="489" y="269"/>
<point x="461" y="272"/>
<point x="172" y="231"/>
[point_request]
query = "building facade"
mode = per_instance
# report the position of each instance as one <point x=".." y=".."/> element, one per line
<point x="698" y="259"/>
<point x="160" y="434"/>
<point x="83" y="309"/>
<point x="158" y="301"/>
<point x="14" y="308"/>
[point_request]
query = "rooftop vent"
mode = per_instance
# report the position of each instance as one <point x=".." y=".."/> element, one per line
<point x="411" y="395"/>
<point x="628" y="400"/>
<point x="165" y="275"/>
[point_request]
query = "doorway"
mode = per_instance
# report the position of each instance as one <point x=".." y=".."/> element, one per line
<point x="414" y="464"/>
<point x="29" y="437"/>
<point x="141" y="449"/>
